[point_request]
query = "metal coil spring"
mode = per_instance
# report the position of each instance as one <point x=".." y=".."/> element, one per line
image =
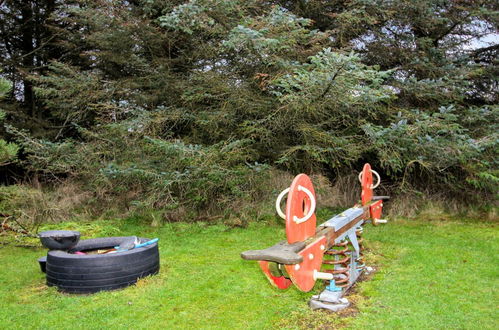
<point x="339" y="260"/>
<point x="360" y="239"/>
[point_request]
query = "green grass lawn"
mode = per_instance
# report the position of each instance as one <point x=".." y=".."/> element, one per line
<point x="436" y="274"/>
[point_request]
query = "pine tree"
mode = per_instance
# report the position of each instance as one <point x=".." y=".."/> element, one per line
<point x="299" y="85"/>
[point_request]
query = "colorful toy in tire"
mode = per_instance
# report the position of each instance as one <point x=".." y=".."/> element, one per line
<point x="90" y="273"/>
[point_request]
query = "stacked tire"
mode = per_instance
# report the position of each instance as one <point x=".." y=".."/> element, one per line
<point x="90" y="273"/>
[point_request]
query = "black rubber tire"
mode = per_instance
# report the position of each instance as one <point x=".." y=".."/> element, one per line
<point x="103" y="282"/>
<point x="95" y="271"/>
<point x="75" y="273"/>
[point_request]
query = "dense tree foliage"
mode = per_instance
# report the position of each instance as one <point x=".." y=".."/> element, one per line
<point x="192" y="101"/>
<point x="8" y="150"/>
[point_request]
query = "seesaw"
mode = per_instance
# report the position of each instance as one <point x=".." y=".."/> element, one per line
<point x="331" y="251"/>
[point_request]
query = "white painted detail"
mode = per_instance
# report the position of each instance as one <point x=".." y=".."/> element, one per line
<point x="322" y="247"/>
<point x="322" y="276"/>
<point x="312" y="206"/>
<point x="377" y="176"/>
<point x="278" y="203"/>
<point x="311" y="256"/>
<point x="297" y="267"/>
<point x="379" y="179"/>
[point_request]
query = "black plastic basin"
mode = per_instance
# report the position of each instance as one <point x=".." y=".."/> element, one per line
<point x="59" y="239"/>
<point x="43" y="263"/>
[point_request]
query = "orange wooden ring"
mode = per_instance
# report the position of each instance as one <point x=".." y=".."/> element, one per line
<point x="302" y="274"/>
<point x="367" y="184"/>
<point x="297" y="206"/>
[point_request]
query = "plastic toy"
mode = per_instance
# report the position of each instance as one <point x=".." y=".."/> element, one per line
<point x="331" y="251"/>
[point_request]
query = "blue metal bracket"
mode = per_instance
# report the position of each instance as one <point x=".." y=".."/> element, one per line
<point x="332" y="287"/>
